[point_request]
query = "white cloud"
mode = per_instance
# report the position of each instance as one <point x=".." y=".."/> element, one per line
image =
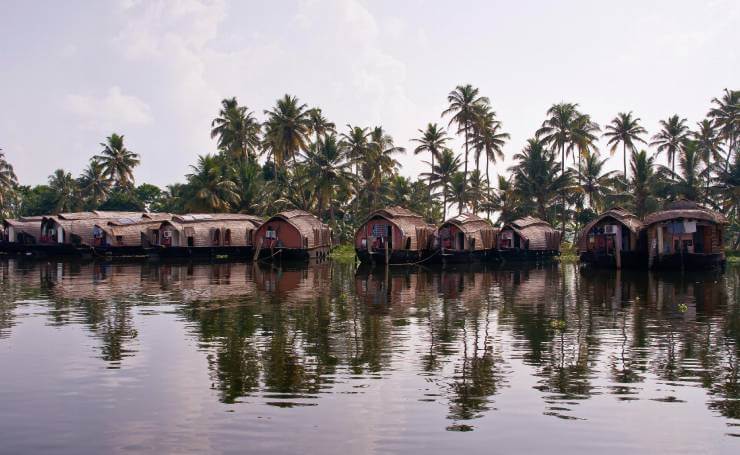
<point x="114" y="109"/>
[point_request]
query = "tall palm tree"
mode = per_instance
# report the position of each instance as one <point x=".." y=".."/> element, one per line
<point x="380" y="162"/>
<point x="94" y="183"/>
<point x="477" y="190"/>
<point x="595" y="183"/>
<point x="320" y="125"/>
<point x="356" y="145"/>
<point x="726" y="116"/>
<point x="626" y="130"/>
<point x="505" y="200"/>
<point x="118" y="161"/>
<point x="488" y="139"/>
<point x="8" y="184"/>
<point x="287" y="128"/>
<point x="328" y="172"/>
<point x="447" y="165"/>
<point x="687" y="183"/>
<point x="708" y="142"/>
<point x="212" y="190"/>
<point x="643" y="181"/>
<point x="673" y="132"/>
<point x="237" y="130"/>
<point x="456" y="190"/>
<point x="66" y="189"/>
<point x="583" y="137"/>
<point x="432" y="140"/>
<point x="556" y="130"/>
<point x="537" y="178"/>
<point x="465" y="106"/>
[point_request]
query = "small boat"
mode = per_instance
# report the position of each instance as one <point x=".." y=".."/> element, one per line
<point x="466" y="238"/>
<point x="394" y="235"/>
<point x="294" y="235"/>
<point x="685" y="236"/>
<point x="528" y="239"/>
<point x="615" y="239"/>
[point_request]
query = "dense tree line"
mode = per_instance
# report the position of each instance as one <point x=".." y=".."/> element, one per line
<point x="297" y="158"/>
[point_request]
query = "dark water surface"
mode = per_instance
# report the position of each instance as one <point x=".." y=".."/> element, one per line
<point x="245" y="358"/>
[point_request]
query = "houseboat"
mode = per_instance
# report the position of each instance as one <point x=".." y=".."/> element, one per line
<point x="528" y="238"/>
<point x="72" y="233"/>
<point x="292" y="235"/>
<point x="614" y="239"/>
<point x="466" y="238"/>
<point x="128" y="237"/>
<point x="685" y="236"/>
<point x="213" y="235"/>
<point x="394" y="235"/>
<point x="19" y="234"/>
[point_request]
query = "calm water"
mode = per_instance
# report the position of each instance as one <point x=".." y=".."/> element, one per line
<point x="329" y="359"/>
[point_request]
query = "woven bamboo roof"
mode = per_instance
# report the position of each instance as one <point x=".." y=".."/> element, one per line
<point x="622" y="216"/>
<point x="539" y="233"/>
<point x="204" y="217"/>
<point x="468" y="223"/>
<point x="301" y="220"/>
<point x="685" y="209"/>
<point x="26" y="226"/>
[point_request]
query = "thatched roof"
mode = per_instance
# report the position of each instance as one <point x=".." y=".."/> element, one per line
<point x="301" y="220"/>
<point x="474" y="227"/>
<point x="198" y="217"/>
<point x="411" y="225"/>
<point x="81" y="224"/>
<point x="687" y="210"/>
<point x="539" y="233"/>
<point x="30" y="226"/>
<point x="622" y="216"/>
<point x="96" y="215"/>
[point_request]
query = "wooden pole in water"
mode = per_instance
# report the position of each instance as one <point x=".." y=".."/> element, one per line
<point x="387" y="257"/>
<point x="618" y="247"/>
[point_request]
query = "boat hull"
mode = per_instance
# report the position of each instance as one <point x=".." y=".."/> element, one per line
<point x="515" y="255"/>
<point x="688" y="261"/>
<point x="179" y="252"/>
<point x="629" y="259"/>
<point x="396" y="257"/>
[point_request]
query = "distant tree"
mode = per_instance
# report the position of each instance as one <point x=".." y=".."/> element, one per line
<point x="595" y="183"/>
<point x="118" y="161"/>
<point x="626" y="130"/>
<point x="726" y="116"/>
<point x="642" y="183"/>
<point x="432" y="140"/>
<point x="8" y="186"/>
<point x="67" y="191"/>
<point x="287" y="130"/>
<point x="94" y="184"/>
<point x="237" y="130"/>
<point x="441" y="176"/>
<point x="671" y="137"/>
<point x="212" y="190"/>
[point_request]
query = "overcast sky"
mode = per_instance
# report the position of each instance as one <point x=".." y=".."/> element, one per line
<point x="72" y="72"/>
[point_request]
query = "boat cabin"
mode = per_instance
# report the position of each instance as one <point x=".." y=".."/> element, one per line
<point x="685" y="235"/>
<point x="528" y="237"/>
<point x="293" y="234"/>
<point x="615" y="238"/>
<point x="393" y="235"/>
<point x="129" y="233"/>
<point x="23" y="231"/>
<point x="466" y="236"/>
<point x="77" y="228"/>
<point x="207" y="231"/>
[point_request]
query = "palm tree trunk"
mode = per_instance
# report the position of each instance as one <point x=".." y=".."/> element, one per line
<point x="444" y="203"/>
<point x="731" y="147"/>
<point x="562" y="161"/>
<point x="465" y="175"/>
<point x="624" y="159"/>
<point x="431" y="201"/>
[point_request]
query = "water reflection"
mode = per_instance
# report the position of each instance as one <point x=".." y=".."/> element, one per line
<point x="287" y="336"/>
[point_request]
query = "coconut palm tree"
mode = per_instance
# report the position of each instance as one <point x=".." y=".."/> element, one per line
<point x="212" y="190"/>
<point x="537" y="178"/>
<point x="319" y="124"/>
<point x="118" y="161"/>
<point x="447" y="165"/>
<point x="726" y="116"/>
<point x="505" y="201"/>
<point x="673" y="132"/>
<point x="8" y="184"/>
<point x="477" y="190"/>
<point x="488" y="139"/>
<point x="626" y="130"/>
<point x="465" y="106"/>
<point x="328" y="172"/>
<point x="687" y="183"/>
<point x="556" y="130"/>
<point x="379" y="163"/>
<point x="595" y="183"/>
<point x="356" y="145"/>
<point x="432" y="140"/>
<point x="287" y="129"/>
<point x="643" y="182"/>
<point x="94" y="183"/>
<point x="457" y="190"/>
<point x="583" y="137"/>
<point x="708" y="142"/>
<point x="67" y="191"/>
<point x="237" y="130"/>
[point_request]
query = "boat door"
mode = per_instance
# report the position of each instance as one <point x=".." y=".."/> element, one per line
<point x="389" y="235"/>
<point x="460" y="241"/>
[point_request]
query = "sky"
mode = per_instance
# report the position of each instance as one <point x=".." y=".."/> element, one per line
<point x="73" y="72"/>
